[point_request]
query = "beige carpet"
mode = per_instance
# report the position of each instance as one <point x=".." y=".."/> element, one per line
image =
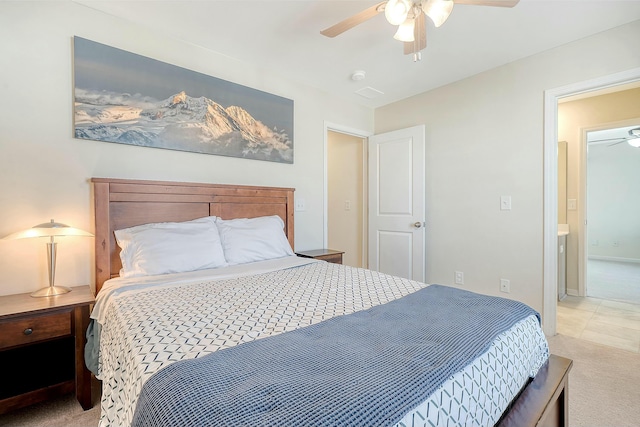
<point x="604" y="391"/>
<point x="65" y="411"/>
<point x="604" y="383"/>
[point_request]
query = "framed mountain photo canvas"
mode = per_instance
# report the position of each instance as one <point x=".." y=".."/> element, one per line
<point x="126" y="98"/>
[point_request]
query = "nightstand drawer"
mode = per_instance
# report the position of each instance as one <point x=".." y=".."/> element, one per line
<point x="26" y="330"/>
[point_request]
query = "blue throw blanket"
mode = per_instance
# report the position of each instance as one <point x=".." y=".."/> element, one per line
<point x="368" y="368"/>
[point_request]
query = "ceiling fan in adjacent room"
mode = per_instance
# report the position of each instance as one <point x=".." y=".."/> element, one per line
<point x="409" y="16"/>
<point x="633" y="139"/>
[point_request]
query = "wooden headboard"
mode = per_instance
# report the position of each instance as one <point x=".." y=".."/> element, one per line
<point x="121" y="203"/>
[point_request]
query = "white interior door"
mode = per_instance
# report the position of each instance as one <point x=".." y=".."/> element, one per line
<point x="396" y="203"/>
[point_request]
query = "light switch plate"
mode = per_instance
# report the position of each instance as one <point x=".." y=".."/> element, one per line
<point x="300" y="205"/>
<point x="505" y="203"/>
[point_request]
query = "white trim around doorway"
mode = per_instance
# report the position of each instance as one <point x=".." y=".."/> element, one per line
<point x="550" y="210"/>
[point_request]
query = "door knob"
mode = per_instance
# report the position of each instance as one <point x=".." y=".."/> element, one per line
<point x="417" y="224"/>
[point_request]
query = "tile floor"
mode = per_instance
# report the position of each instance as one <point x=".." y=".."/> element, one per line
<point x="607" y="322"/>
<point x="613" y="280"/>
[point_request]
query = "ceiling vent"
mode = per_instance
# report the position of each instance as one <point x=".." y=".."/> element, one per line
<point x="369" y="92"/>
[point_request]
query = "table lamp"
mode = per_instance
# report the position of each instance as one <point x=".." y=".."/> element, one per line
<point x="51" y="230"/>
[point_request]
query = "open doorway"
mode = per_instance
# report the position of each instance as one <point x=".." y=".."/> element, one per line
<point x="601" y="216"/>
<point x="550" y="211"/>
<point x="593" y="114"/>
<point x="612" y="231"/>
<point x="346" y="196"/>
<point x="345" y="192"/>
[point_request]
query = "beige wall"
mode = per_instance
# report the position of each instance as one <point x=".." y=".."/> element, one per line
<point x="573" y="118"/>
<point x="44" y="171"/>
<point x="484" y="139"/>
<point x="345" y="185"/>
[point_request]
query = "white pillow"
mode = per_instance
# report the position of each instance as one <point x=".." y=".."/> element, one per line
<point x="170" y="247"/>
<point x="253" y="239"/>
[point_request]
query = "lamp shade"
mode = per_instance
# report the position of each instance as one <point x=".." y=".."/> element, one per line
<point x="51" y="230"/>
<point x="48" y="229"/>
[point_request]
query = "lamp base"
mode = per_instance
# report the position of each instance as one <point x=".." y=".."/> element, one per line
<point x="51" y="291"/>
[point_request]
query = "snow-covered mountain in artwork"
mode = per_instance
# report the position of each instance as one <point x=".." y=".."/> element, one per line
<point x="179" y="122"/>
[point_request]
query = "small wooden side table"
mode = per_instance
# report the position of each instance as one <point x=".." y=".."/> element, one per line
<point x="328" y="255"/>
<point x="42" y="344"/>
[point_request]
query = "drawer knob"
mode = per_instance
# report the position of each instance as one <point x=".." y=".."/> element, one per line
<point x="28" y="331"/>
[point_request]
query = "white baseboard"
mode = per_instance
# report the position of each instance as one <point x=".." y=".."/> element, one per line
<point x="573" y="292"/>
<point x="616" y="259"/>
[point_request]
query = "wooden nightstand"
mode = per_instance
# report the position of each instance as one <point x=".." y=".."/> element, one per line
<point x="328" y="255"/>
<point x="42" y="346"/>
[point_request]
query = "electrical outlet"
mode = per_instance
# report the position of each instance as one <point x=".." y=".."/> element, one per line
<point x="459" y="278"/>
<point x="347" y="205"/>
<point x="505" y="285"/>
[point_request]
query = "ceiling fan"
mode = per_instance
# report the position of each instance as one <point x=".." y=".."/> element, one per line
<point x="409" y="16"/>
<point x="633" y="139"/>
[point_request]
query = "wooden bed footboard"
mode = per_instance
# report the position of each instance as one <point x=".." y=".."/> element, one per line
<point x="544" y="402"/>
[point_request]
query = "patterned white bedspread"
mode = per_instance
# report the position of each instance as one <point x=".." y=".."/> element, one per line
<point x="148" y="324"/>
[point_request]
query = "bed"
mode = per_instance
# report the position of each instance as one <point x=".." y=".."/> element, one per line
<point x="152" y="331"/>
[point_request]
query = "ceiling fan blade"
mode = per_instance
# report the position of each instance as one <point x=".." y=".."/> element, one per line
<point x="354" y="20"/>
<point x="498" y="3"/>
<point x="616" y="143"/>
<point x="420" y="35"/>
<point x="607" y="139"/>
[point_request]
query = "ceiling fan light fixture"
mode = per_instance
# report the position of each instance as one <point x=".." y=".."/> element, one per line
<point x="438" y="10"/>
<point x="634" y="137"/>
<point x="396" y="11"/>
<point x="405" y="31"/>
<point x="634" y="142"/>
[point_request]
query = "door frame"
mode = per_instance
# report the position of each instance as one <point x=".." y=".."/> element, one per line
<point x="550" y="185"/>
<point x="359" y="133"/>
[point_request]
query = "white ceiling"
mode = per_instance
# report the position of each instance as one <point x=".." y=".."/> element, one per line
<point x="284" y="37"/>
